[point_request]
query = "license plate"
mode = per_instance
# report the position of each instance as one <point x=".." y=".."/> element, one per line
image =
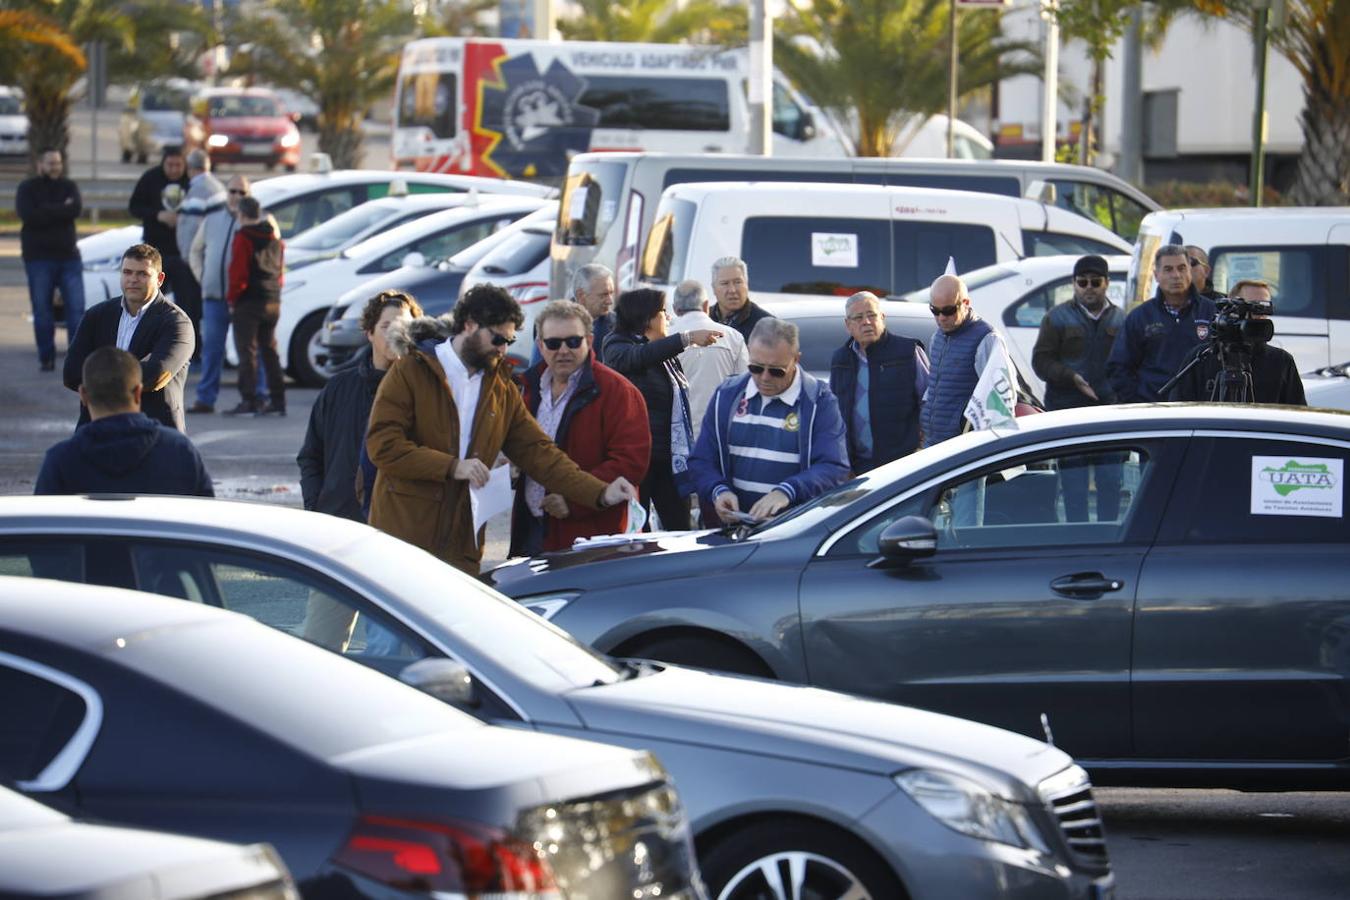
<point x="257" y="149"/>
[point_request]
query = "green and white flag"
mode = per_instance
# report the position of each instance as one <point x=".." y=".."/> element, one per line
<point x="994" y="399"/>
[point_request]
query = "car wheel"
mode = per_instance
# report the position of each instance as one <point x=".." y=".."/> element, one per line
<point x="795" y="860"/>
<point x="699" y="653"/>
<point x="307" y="354"/>
<point x="126" y="156"/>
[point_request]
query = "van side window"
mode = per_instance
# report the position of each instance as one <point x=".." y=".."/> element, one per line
<point x="1103" y="205"/>
<point x="673" y="104"/>
<point x="818" y="256"/>
<point x="957" y="181"/>
<point x="668" y="242"/>
<point x="921" y="251"/>
<point x="1055" y="243"/>
<point x="1293" y="273"/>
<point x="427" y="100"/>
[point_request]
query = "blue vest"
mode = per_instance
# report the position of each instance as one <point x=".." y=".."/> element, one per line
<point x="891" y="404"/>
<point x="952" y="379"/>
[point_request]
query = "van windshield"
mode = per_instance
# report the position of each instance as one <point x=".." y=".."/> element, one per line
<point x="589" y="202"/>
<point x="668" y="242"/>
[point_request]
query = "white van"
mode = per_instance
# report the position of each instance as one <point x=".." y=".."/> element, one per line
<point x="1303" y="252"/>
<point x="609" y="199"/>
<point x="522" y="108"/>
<point x="833" y="240"/>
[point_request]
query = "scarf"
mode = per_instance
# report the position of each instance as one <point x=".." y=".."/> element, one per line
<point x="681" y="427"/>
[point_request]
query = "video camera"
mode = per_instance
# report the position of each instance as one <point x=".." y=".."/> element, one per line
<point x="1233" y="322"/>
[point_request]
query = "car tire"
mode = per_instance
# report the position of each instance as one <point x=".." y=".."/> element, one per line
<point x="305" y="344"/>
<point x="759" y="862"/>
<point x="699" y="653"/>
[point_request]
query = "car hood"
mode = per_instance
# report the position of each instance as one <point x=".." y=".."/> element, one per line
<point x="108" y="246"/>
<point x="13" y="124"/>
<point x="483" y="764"/>
<point x="627" y="558"/>
<point x="780" y="720"/>
<point x="250" y="125"/>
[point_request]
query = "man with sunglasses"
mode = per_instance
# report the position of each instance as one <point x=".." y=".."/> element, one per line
<point x="1070" y="355"/>
<point x="962" y="347"/>
<point x="1159" y="334"/>
<point x="597" y="417"/>
<point x="771" y="438"/>
<point x="442" y="415"/>
<point x="1200" y="272"/>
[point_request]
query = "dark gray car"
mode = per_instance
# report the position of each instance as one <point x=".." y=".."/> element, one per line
<point x="1194" y="630"/>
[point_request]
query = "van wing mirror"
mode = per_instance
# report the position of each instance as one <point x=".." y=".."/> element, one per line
<point x="806" y="127"/>
<point x="1043" y="191"/>
<point x="445" y="679"/>
<point x="904" y="540"/>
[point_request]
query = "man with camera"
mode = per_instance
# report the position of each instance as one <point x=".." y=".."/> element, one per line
<point x="1238" y="348"/>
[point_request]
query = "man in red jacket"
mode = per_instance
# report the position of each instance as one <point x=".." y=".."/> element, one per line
<point x="595" y="415"/>
<point x="253" y="293"/>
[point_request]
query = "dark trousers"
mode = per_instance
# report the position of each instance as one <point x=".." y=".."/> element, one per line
<point x="187" y="295"/>
<point x="658" y="489"/>
<point x="255" y="331"/>
<point x="1073" y="486"/>
<point x="44" y="277"/>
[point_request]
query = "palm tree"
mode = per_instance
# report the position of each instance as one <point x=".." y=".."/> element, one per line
<point x="342" y="54"/>
<point x="879" y="63"/>
<point x="657" y="22"/>
<point x="459" y="19"/>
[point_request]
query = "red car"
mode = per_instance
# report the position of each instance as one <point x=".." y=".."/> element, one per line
<point x="244" y="125"/>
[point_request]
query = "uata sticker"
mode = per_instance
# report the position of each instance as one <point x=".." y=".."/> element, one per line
<point x="1297" y="486"/>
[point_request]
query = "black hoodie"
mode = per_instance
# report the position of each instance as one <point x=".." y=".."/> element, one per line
<point x="127" y="453"/>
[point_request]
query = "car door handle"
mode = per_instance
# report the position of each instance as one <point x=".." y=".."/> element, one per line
<point x="1085" y="584"/>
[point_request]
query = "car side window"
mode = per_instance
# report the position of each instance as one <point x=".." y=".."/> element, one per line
<point x="279" y="595"/>
<point x="40" y="719"/>
<point x="305" y="212"/>
<point x="1068" y="498"/>
<point x="1256" y="491"/>
<point x="1293" y="273"/>
<point x="59" y="560"/>
<point x="440" y="246"/>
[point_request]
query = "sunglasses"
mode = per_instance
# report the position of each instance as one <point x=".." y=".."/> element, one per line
<point x="1197" y="262"/>
<point x="1095" y="281"/>
<point x="238" y="193"/>
<point x="944" y="310"/>
<point x="499" y="340"/>
<point x="757" y="369"/>
<point x="573" y="342"/>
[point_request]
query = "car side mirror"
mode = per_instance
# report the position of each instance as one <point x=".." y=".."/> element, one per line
<point x="905" y="540"/>
<point x="806" y="127"/>
<point x="444" y="679"/>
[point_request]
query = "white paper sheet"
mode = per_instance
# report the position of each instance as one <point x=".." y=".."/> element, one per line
<point x="494" y="497"/>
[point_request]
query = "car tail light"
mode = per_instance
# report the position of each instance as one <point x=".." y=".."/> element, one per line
<point x="528" y="291"/>
<point x="462" y="859"/>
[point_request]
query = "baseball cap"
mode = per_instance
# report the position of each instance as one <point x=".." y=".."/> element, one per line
<point x="1090" y="265"/>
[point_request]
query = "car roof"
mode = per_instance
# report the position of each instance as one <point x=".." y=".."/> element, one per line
<point x="774" y="188"/>
<point x="1250" y="212"/>
<point x="833" y="307"/>
<point x="1294" y="420"/>
<point x="487" y="204"/>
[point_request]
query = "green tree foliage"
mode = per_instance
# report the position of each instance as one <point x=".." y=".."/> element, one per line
<point x="342" y="54"/>
<point x="658" y="22"/>
<point x="878" y="63"/>
<point x="459" y="19"/>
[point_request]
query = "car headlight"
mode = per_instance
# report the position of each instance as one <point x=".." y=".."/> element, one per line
<point x="546" y="606"/>
<point x="217" y="140"/>
<point x="290" y="139"/>
<point x="967" y="807"/>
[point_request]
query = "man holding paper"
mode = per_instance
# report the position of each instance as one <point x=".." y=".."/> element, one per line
<point x="443" y="414"/>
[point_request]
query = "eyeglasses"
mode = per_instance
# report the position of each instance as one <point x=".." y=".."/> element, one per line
<point x="864" y="317"/>
<point x="235" y="193"/>
<point x="775" y="371"/>
<point x="1197" y="262"/>
<point x="573" y="342"/>
<point x="1095" y="281"/>
<point x="944" y="310"/>
<point x="499" y="340"/>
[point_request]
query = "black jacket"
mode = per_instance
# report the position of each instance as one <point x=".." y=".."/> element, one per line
<point x="892" y="398"/>
<point x="163" y="342"/>
<point x="744" y="321"/>
<point x="128" y="453"/>
<point x="337" y="430"/>
<point x="147" y="202"/>
<point x="48" y="208"/>
<point x="640" y="361"/>
<point x="1070" y="343"/>
<point x="1275" y="377"/>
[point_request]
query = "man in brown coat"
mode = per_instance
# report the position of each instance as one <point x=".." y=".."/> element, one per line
<point x="442" y="415"/>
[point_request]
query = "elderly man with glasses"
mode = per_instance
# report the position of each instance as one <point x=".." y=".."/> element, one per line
<point x="879" y="378"/>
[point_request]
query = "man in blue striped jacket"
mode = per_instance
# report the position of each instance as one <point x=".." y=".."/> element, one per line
<point x="771" y="438"/>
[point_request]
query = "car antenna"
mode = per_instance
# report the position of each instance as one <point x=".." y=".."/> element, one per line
<point x="1045" y="726"/>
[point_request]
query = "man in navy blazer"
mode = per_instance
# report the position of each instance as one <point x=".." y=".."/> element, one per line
<point x="147" y="325"/>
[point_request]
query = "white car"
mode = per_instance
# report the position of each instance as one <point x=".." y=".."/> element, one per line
<point x="298" y="202"/>
<point x="350" y="228"/>
<point x="309" y="292"/>
<point x="1014" y="297"/>
<point x="13" y="123"/>
<point x="519" y="264"/>
<point x="1328" y="387"/>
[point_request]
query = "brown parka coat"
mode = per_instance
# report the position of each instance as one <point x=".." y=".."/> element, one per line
<point x="413" y="440"/>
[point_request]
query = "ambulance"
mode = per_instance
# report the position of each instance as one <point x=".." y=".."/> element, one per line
<point x="523" y="108"/>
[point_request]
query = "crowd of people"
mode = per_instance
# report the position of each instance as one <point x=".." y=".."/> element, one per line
<point x="628" y="417"/>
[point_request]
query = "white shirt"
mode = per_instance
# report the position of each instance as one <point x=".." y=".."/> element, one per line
<point x="707" y="367"/>
<point x="127" y="324"/>
<point x="464" y="389"/>
<point x="788" y="396"/>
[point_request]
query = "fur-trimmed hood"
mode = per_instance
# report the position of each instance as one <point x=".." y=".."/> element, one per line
<point x="424" y="332"/>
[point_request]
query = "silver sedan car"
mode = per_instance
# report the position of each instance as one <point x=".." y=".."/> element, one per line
<point x="793" y="792"/>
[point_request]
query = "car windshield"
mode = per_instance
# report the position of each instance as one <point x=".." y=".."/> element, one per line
<point x="340" y="229"/>
<point x="9" y="106"/>
<point x="517" y="639"/>
<point x="975" y="279"/>
<point x="801" y="519"/>
<point x="163" y="99"/>
<point x="235" y="107"/>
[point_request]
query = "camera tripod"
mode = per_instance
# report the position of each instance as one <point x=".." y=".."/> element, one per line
<point x="1233" y="383"/>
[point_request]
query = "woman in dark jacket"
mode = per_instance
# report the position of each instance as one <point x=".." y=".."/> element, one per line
<point x="640" y="349"/>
